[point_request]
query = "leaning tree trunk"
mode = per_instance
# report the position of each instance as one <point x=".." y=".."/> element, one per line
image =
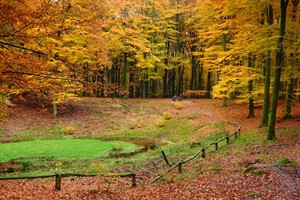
<point x="279" y="62"/>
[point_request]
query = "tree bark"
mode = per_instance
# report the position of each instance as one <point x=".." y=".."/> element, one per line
<point x="125" y="69"/>
<point x="250" y="88"/>
<point x="293" y="62"/>
<point x="279" y="62"/>
<point x="165" y="84"/>
<point x="194" y="69"/>
<point x="173" y="81"/>
<point x="289" y="99"/>
<point x="267" y="80"/>
<point x="208" y="86"/>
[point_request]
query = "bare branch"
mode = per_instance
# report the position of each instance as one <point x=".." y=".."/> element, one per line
<point x="24" y="48"/>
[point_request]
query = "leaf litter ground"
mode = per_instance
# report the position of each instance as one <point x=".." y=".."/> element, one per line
<point x="219" y="176"/>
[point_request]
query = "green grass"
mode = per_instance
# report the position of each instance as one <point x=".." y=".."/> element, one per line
<point x="67" y="148"/>
<point x="48" y="151"/>
<point x="285" y="162"/>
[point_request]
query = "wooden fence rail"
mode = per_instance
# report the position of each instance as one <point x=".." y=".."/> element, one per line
<point x="58" y="177"/>
<point x="202" y="151"/>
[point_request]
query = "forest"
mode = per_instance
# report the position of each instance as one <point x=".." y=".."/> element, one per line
<point x="60" y="50"/>
<point x="72" y="56"/>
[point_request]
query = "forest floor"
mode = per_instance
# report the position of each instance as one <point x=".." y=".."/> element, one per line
<point x="249" y="168"/>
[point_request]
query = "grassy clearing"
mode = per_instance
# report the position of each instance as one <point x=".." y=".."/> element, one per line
<point x="178" y="137"/>
<point x="40" y="157"/>
<point x="67" y="148"/>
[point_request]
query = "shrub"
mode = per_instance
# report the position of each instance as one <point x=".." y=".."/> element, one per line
<point x="160" y="123"/>
<point x="70" y="129"/>
<point x="25" y="164"/>
<point x="178" y="105"/>
<point x="285" y="162"/>
<point x="167" y="115"/>
<point x="134" y="124"/>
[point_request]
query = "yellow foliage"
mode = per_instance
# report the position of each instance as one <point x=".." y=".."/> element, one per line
<point x="178" y="105"/>
<point x="160" y="123"/>
<point x="167" y="115"/>
<point x="70" y="129"/>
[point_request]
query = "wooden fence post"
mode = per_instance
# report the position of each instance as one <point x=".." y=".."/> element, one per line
<point x="180" y="168"/>
<point x="216" y="146"/>
<point x="203" y="153"/>
<point x="165" y="158"/>
<point x="227" y="140"/>
<point x="133" y="179"/>
<point x="57" y="182"/>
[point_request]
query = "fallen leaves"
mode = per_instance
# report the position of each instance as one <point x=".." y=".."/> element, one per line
<point x="270" y="185"/>
<point x="219" y="175"/>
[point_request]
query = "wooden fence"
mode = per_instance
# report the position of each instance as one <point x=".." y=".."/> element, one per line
<point x="178" y="164"/>
<point x="58" y="177"/>
<point x="202" y="151"/>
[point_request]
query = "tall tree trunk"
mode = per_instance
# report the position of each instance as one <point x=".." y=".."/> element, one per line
<point x="266" y="101"/>
<point x="251" y="59"/>
<point x="173" y="82"/>
<point x="224" y="44"/>
<point x="194" y="69"/>
<point x="224" y="102"/>
<point x="125" y="69"/>
<point x="166" y="80"/>
<point x="279" y="62"/>
<point x="137" y="84"/>
<point x="267" y="78"/>
<point x="144" y="89"/>
<point x="293" y="62"/>
<point x="165" y="84"/>
<point x="289" y="99"/>
<point x="183" y="87"/>
<point x="154" y="85"/>
<point x="131" y="83"/>
<point x="179" y="82"/>
<point x="118" y="75"/>
<point x="208" y="86"/>
<point x="200" y="78"/>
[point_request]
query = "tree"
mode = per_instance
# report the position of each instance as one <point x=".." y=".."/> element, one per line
<point x="279" y="64"/>
<point x="293" y="61"/>
<point x="24" y="65"/>
<point x="267" y="75"/>
<point x="42" y="44"/>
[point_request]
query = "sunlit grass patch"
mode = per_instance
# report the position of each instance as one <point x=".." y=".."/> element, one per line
<point x="67" y="148"/>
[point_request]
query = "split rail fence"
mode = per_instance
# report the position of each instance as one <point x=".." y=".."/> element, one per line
<point x="202" y="151"/>
<point x="58" y="177"/>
